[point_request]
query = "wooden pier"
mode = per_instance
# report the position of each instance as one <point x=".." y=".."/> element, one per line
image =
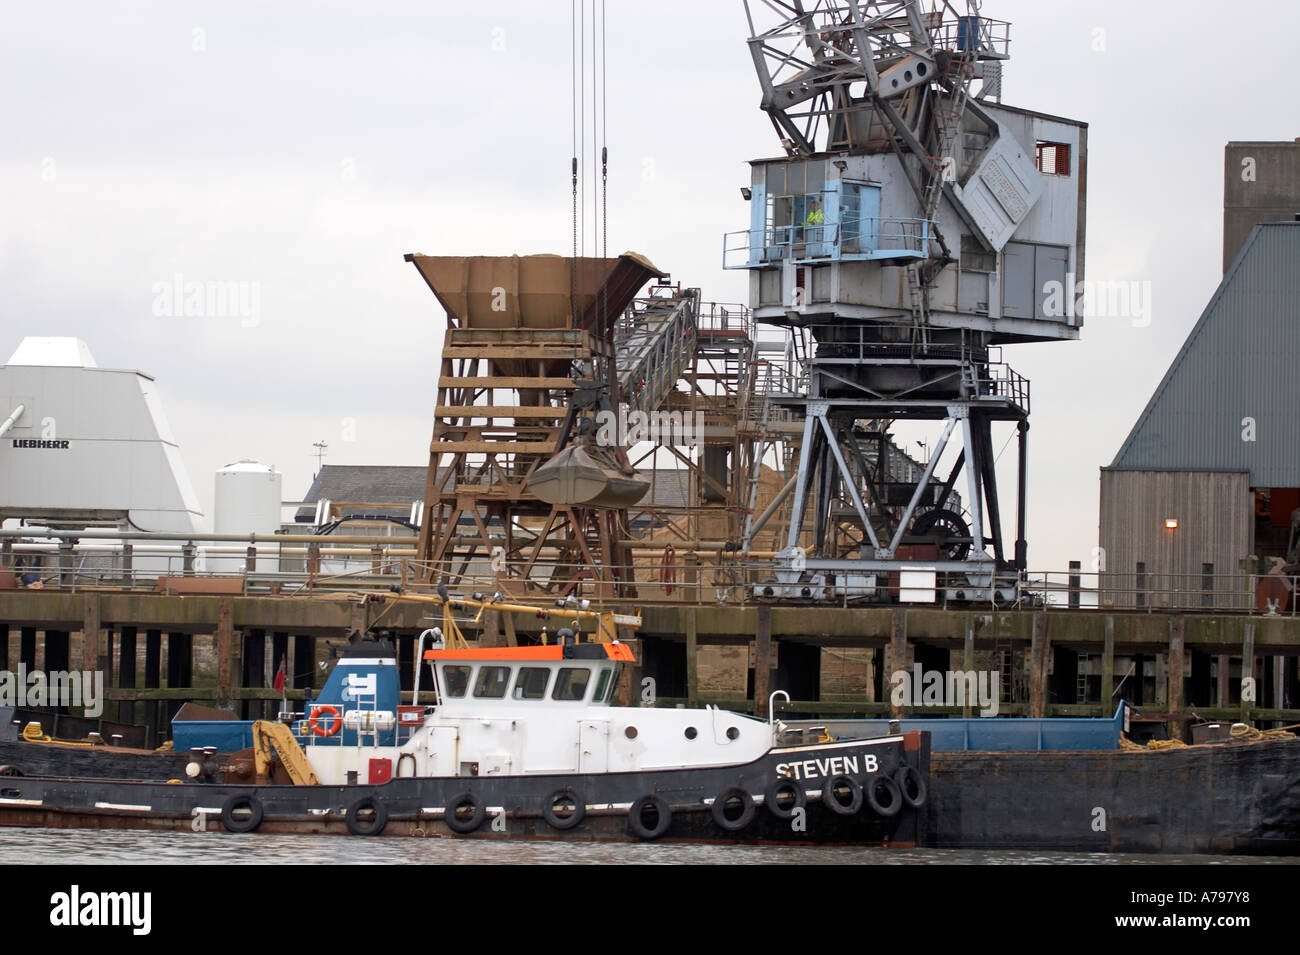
<point x="158" y="650"/>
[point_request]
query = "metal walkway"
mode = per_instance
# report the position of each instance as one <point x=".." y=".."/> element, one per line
<point x="655" y="344"/>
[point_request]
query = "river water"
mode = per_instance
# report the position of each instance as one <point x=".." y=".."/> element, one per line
<point x="114" y="847"/>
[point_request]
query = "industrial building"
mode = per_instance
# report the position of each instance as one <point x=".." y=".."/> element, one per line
<point x="1201" y="495"/>
<point x="88" y="446"/>
<point x="1200" y="507"/>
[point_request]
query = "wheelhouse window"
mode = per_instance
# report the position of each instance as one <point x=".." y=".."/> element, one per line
<point x="455" y="680"/>
<point x="531" y="682"/>
<point x="571" y="683"/>
<point x="492" y="682"/>
<point x="602" y="685"/>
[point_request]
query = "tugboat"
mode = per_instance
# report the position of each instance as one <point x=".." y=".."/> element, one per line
<point x="510" y="741"/>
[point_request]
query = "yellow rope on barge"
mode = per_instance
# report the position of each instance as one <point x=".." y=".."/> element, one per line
<point x="1239" y="731"/>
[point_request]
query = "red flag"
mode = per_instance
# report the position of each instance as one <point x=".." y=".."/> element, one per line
<point x="279" y="677"/>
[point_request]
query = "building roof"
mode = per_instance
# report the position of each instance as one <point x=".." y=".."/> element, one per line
<point x="401" y="486"/>
<point x="1229" y="400"/>
<point x="55" y="352"/>
<point x="368" y="483"/>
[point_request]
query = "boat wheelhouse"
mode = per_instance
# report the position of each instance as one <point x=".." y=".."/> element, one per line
<point x="548" y="709"/>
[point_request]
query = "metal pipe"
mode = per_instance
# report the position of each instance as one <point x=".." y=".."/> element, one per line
<point x="1022" y="549"/>
<point x="9" y="422"/>
<point x="108" y="534"/>
<point x="766" y="516"/>
<point x="419" y="662"/>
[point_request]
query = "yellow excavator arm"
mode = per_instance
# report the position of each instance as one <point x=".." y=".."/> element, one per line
<point x="267" y="735"/>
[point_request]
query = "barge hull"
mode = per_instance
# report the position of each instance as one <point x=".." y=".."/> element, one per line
<point x="1219" y="798"/>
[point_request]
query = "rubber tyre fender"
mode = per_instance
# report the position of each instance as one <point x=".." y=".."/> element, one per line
<point x="906" y="774"/>
<point x="464" y="826"/>
<point x="746" y="812"/>
<point x="10" y="771"/>
<point x="884" y="810"/>
<point x="255" y="813"/>
<point x="366" y="802"/>
<point x="778" y="788"/>
<point x="554" y="819"/>
<point x="636" y="825"/>
<point x="855" y="795"/>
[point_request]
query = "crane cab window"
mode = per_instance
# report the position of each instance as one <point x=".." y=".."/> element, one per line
<point x="455" y="680"/>
<point x="531" y="682"/>
<point x="492" y="682"/>
<point x="571" y="684"/>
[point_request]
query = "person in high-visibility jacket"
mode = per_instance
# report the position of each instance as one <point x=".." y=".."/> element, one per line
<point x="815" y="215"/>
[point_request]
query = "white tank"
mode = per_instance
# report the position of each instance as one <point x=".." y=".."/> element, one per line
<point x="246" y="500"/>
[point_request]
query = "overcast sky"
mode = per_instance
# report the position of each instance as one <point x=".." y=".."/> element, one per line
<point x="304" y="148"/>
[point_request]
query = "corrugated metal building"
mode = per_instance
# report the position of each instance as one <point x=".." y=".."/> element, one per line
<point x="1210" y="473"/>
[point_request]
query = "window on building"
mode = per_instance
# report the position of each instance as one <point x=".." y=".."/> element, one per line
<point x="975" y="258"/>
<point x="571" y="684"/>
<point x="1207" y="585"/>
<point x="455" y="680"/>
<point x="1141" y="584"/>
<point x="531" y="682"/>
<point x="1053" y="159"/>
<point x="492" y="682"/>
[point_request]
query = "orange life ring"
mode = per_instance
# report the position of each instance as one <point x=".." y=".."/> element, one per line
<point x="331" y="728"/>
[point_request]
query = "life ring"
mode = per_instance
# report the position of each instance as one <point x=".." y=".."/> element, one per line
<point x="784" y="789"/>
<point x="911" y="784"/>
<point x="872" y="792"/>
<point x="359" y="828"/>
<point x="563" y="820"/>
<point x="464" y="824"/>
<point x="336" y="720"/>
<point x="832" y="791"/>
<point x="636" y="823"/>
<point x="719" y="809"/>
<point x="238" y="801"/>
<point x="668" y="569"/>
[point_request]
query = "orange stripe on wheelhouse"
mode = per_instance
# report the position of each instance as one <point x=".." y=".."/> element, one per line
<point x="619" y="652"/>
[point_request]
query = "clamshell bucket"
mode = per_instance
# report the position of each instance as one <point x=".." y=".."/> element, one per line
<point x="583" y="476"/>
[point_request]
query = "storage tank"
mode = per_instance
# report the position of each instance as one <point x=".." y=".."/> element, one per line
<point x="246" y="500"/>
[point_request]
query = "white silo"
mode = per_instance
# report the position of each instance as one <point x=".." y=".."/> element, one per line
<point x="246" y="500"/>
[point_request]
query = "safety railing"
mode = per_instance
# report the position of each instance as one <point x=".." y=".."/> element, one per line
<point x="1000" y="380"/>
<point x="725" y="317"/>
<point x="811" y="243"/>
<point x="981" y="36"/>
<point x="668" y="568"/>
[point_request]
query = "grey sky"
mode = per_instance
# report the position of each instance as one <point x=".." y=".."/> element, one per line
<point x="307" y="147"/>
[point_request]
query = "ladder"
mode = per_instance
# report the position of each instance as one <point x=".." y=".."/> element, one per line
<point x="758" y="441"/>
<point x="947" y="118"/>
<point x="1081" y="681"/>
<point x="1005" y="655"/>
<point x="948" y="121"/>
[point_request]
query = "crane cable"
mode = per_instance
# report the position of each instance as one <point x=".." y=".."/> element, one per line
<point x="573" y="103"/>
<point x="604" y="166"/>
<point x="600" y="151"/>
